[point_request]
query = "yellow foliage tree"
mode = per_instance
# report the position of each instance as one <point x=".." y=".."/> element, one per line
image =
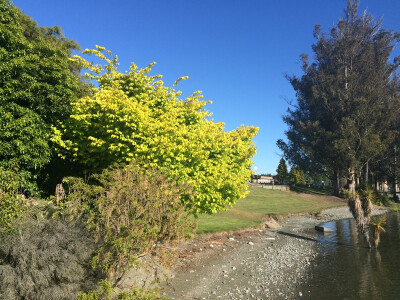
<point x="132" y="115"/>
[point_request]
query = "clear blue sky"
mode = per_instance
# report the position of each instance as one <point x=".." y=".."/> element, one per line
<point x="236" y="52"/>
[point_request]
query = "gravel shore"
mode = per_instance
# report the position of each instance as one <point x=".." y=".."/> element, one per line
<point x="254" y="264"/>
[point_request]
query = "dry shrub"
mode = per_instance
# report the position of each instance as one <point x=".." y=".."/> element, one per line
<point x="378" y="225"/>
<point x="47" y="260"/>
<point x="131" y="211"/>
<point x="361" y="208"/>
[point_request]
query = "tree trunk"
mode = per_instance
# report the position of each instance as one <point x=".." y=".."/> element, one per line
<point x="366" y="181"/>
<point x="374" y="181"/>
<point x="394" y="188"/>
<point x="351" y="181"/>
<point x="336" y="183"/>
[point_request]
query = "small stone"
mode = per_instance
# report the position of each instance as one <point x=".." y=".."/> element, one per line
<point x="251" y="243"/>
<point x="211" y="246"/>
<point x="300" y="294"/>
<point x="231" y="239"/>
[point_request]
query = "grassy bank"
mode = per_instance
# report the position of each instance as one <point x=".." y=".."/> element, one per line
<point x="395" y="206"/>
<point x="252" y="210"/>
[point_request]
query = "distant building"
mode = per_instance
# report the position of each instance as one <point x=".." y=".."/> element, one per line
<point x="262" y="179"/>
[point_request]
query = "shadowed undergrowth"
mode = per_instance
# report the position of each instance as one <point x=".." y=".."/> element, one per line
<point x="47" y="260"/>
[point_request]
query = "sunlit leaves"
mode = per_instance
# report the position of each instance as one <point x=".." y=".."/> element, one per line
<point x="134" y="115"/>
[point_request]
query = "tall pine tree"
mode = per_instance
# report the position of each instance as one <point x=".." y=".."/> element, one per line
<point x="340" y="124"/>
<point x="282" y="172"/>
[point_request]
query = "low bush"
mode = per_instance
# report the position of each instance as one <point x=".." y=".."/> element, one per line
<point x="46" y="260"/>
<point x="14" y="186"/>
<point x="381" y="199"/>
<point x="130" y="210"/>
<point x="12" y="208"/>
<point x="106" y="292"/>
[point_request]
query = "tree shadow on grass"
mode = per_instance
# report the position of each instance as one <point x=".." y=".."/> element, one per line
<point x="313" y="191"/>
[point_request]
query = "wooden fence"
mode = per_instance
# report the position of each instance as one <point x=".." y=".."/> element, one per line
<point x="272" y="187"/>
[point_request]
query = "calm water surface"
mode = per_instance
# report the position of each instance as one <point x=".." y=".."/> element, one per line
<point x="346" y="269"/>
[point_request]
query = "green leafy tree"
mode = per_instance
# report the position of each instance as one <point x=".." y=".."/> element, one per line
<point x="301" y="178"/>
<point x="282" y="172"/>
<point x="37" y="84"/>
<point x="293" y="176"/>
<point x="296" y="176"/>
<point x="340" y="124"/>
<point x="388" y="168"/>
<point x="133" y="115"/>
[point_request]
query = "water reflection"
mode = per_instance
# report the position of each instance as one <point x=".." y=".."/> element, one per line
<point x="346" y="269"/>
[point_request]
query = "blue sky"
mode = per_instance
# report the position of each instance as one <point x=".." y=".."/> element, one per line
<point x="236" y="52"/>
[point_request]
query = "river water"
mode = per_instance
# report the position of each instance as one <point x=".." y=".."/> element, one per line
<point x="346" y="269"/>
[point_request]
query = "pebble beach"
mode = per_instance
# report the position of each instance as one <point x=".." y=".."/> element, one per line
<point x="266" y="263"/>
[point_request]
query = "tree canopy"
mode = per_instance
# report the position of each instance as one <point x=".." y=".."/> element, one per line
<point x="347" y="99"/>
<point x="296" y="176"/>
<point x="37" y="84"/>
<point x="133" y="116"/>
<point x="282" y="171"/>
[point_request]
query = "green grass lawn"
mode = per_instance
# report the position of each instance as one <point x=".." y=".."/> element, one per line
<point x="252" y="210"/>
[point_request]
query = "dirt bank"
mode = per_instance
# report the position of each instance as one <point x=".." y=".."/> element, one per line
<point x="250" y="264"/>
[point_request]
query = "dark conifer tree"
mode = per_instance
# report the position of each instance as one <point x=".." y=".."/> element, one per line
<point x="282" y="171"/>
<point x="340" y="124"/>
